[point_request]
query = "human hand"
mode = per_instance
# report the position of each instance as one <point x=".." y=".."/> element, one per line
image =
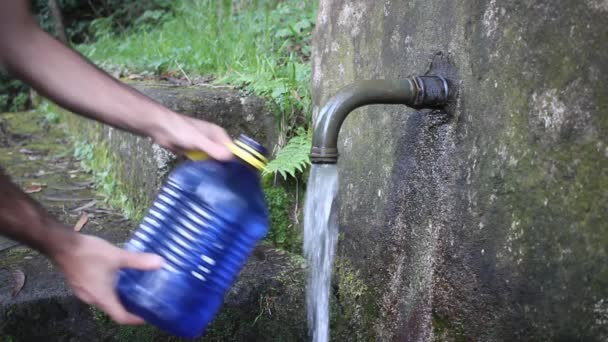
<point x="91" y="268"/>
<point x="182" y="134"/>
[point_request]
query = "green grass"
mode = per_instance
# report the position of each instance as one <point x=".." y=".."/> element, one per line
<point x="260" y="45"/>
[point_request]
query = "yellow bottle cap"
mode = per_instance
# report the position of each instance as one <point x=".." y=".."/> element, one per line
<point x="197" y="155"/>
<point x="243" y="148"/>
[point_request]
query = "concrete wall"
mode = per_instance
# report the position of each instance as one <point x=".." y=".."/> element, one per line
<point x="487" y="221"/>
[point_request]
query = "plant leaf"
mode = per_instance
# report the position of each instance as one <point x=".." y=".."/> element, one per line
<point x="293" y="157"/>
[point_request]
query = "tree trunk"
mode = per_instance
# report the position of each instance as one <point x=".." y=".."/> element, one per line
<point x="58" y="20"/>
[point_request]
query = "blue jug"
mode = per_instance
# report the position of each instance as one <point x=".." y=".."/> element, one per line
<point x="205" y="222"/>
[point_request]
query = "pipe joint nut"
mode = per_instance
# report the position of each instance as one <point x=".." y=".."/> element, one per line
<point x="431" y="91"/>
<point x="324" y="155"/>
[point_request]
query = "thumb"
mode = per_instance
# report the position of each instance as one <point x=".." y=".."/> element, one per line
<point x="140" y="261"/>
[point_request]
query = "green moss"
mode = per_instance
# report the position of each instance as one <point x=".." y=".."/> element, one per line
<point x="283" y="232"/>
<point x="98" y="160"/>
<point x="100" y="317"/>
<point x="125" y="333"/>
<point x="279" y="317"/>
<point x="352" y="311"/>
<point x="15" y="256"/>
<point x="24" y="122"/>
<point x="601" y="101"/>
<point x="444" y="330"/>
<point x="282" y="310"/>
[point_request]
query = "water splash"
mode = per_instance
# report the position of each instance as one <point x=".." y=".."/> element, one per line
<point x="320" y="237"/>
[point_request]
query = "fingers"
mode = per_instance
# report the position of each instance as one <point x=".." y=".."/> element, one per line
<point x="214" y="140"/>
<point x="140" y="261"/>
<point x="219" y="134"/>
<point x="217" y="151"/>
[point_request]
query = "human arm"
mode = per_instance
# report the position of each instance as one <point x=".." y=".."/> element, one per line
<point x="74" y="83"/>
<point x="59" y="73"/>
<point x="89" y="263"/>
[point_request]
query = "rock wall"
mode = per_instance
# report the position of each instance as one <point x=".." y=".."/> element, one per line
<point x="487" y="221"/>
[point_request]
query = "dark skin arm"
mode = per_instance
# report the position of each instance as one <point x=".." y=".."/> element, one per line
<point x="89" y="263"/>
<point x="71" y="81"/>
<point x="22" y="219"/>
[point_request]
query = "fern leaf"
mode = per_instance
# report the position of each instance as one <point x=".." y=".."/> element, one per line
<point x="293" y="157"/>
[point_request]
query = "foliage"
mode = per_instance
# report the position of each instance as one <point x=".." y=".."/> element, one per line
<point x="293" y="157"/>
<point x="130" y="17"/>
<point x="13" y="95"/>
<point x="50" y="115"/>
<point x="260" y="45"/>
<point x="83" y="19"/>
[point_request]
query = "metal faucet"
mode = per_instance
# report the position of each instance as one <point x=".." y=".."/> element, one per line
<point x="416" y="92"/>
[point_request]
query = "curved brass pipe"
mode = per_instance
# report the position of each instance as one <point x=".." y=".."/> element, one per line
<point x="415" y="92"/>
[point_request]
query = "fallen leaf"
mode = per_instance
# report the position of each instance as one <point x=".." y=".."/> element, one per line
<point x="33" y="188"/>
<point x="84" y="218"/>
<point x="19" y="278"/>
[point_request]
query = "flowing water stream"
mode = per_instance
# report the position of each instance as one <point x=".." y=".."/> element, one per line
<point x="320" y="237"/>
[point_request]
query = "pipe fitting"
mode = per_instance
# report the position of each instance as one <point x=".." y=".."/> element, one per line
<point x="431" y="92"/>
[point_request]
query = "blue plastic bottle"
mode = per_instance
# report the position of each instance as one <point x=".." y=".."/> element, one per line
<point x="204" y="222"/>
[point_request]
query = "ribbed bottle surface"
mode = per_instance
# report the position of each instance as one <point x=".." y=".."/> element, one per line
<point x="204" y="222"/>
